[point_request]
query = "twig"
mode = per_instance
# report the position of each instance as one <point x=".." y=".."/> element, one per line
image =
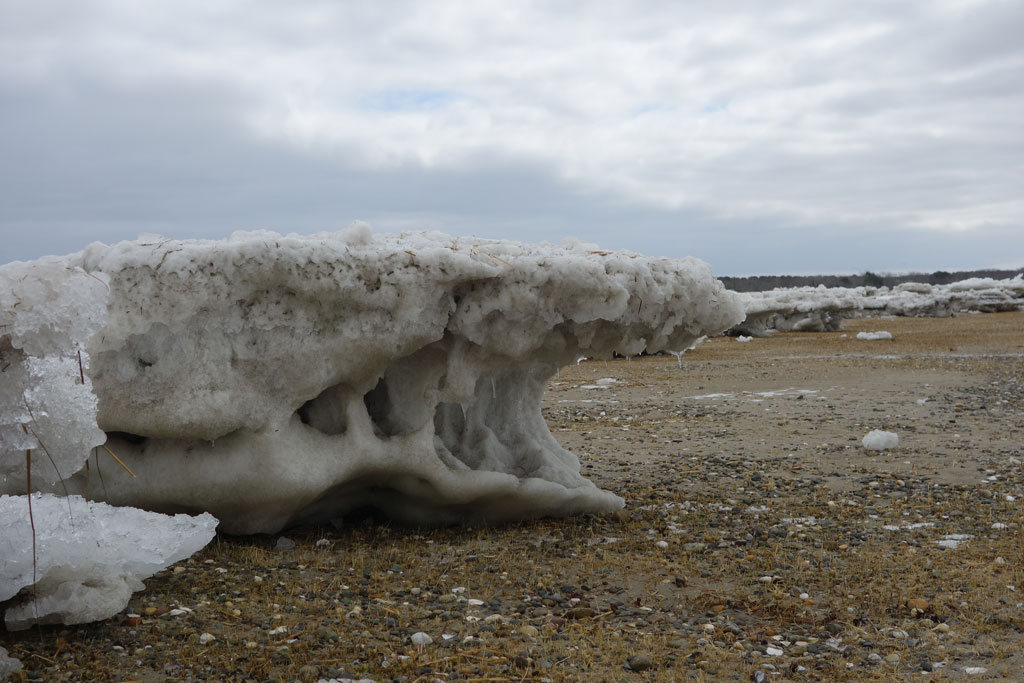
<point x="99" y="472"/>
<point x="63" y="483"/>
<point x="118" y="460"/>
<point x="31" y="520"/>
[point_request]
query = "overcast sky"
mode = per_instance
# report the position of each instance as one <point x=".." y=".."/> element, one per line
<point x="825" y="137"/>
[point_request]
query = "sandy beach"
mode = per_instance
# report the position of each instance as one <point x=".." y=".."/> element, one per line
<point x="760" y="540"/>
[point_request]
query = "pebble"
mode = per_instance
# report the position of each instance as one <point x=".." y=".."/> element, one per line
<point x="207" y="638"/>
<point x="640" y="662"/>
<point x="917" y="603"/>
<point x="893" y="658"/>
<point x="284" y="543"/>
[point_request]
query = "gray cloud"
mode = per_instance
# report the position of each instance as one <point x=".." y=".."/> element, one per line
<point x="830" y="137"/>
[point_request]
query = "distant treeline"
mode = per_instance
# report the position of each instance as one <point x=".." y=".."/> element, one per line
<point x="761" y="283"/>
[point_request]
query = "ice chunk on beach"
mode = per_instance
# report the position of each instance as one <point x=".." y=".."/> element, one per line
<point x="8" y="665"/>
<point x="874" y="336"/>
<point x="49" y="309"/>
<point x="89" y="557"/>
<point x="274" y="380"/>
<point x="880" y="440"/>
<point x="796" y="309"/>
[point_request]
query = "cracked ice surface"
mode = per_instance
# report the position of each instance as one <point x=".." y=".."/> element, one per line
<point x="272" y="380"/>
<point x="89" y="557"/>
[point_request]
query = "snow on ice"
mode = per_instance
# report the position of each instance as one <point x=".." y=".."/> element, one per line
<point x="276" y="379"/>
<point x="89" y="557"/>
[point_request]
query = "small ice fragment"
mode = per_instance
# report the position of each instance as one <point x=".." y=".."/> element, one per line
<point x="741" y="338"/>
<point x="662" y="544"/>
<point x="8" y="665"/>
<point x="874" y="336"/>
<point x="207" y="638"/>
<point x="974" y="670"/>
<point x="421" y="639"/>
<point x="952" y="541"/>
<point x="880" y="440"/>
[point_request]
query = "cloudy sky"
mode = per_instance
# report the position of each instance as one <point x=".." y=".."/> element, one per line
<point x="823" y="137"/>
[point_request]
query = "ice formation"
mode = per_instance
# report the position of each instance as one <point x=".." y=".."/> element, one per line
<point x="880" y="440"/>
<point x="874" y="336"/>
<point x="797" y="309"/>
<point x="48" y="311"/>
<point x="822" y="309"/>
<point x="272" y="380"/>
<point x="8" y="665"/>
<point x="88" y="557"/>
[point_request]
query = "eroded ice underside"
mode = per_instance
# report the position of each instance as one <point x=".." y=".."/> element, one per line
<point x="271" y="380"/>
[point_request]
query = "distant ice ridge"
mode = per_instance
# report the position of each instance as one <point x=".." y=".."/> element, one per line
<point x="89" y="557"/>
<point x="822" y="309"/>
<point x="276" y="379"/>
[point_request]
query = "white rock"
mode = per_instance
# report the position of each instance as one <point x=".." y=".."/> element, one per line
<point x="207" y="638"/>
<point x="880" y="440"/>
<point x="89" y="557"/>
<point x="874" y="336"/>
<point x="276" y="379"/>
